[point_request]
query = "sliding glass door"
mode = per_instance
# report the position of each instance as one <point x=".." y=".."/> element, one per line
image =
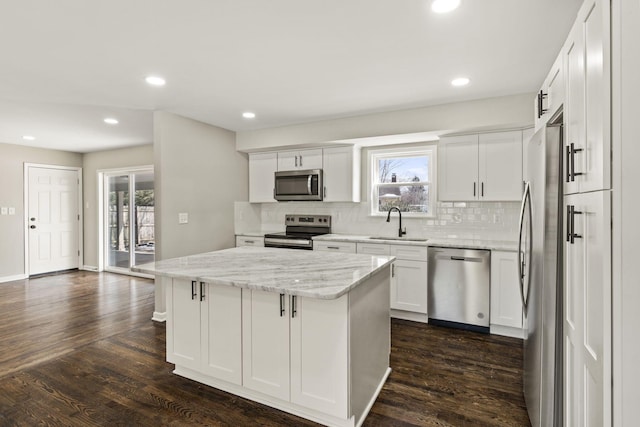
<point x="129" y="219"/>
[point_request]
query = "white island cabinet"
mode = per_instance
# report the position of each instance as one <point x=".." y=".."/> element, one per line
<point x="303" y="332"/>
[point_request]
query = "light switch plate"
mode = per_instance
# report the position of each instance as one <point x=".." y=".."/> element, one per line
<point x="3" y="210"/>
<point x="12" y="210"/>
<point x="183" y="218"/>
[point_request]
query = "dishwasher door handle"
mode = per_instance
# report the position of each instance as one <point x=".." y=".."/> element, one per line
<point x="459" y="258"/>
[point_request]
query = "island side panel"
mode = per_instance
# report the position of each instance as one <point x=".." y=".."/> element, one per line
<point x="370" y="339"/>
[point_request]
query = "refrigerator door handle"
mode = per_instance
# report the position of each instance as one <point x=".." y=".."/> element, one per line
<point x="526" y="198"/>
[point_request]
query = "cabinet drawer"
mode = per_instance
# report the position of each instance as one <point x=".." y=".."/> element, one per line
<point x="347" y="247"/>
<point x="249" y="241"/>
<point x="417" y="253"/>
<point x="373" y="249"/>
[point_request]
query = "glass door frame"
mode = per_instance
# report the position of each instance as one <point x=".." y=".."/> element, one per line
<point x="103" y="222"/>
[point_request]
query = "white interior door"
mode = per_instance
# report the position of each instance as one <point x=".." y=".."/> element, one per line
<point x="53" y="219"/>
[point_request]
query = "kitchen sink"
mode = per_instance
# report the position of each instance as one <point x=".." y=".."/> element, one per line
<point x="407" y="239"/>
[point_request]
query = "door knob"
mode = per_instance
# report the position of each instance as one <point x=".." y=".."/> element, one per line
<point x="32" y="226"/>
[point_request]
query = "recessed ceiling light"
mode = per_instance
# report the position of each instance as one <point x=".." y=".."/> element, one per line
<point x="461" y="81"/>
<point x="111" y="121"/>
<point x="248" y="115"/>
<point x="444" y="6"/>
<point x="28" y="137"/>
<point x="155" y="81"/>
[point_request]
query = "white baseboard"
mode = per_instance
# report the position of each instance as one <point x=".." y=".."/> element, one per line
<point x="89" y="268"/>
<point x="159" y="316"/>
<point x="507" y="331"/>
<point x="409" y="315"/>
<point x="13" y="278"/>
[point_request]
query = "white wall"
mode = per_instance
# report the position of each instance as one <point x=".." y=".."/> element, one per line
<point x="198" y="172"/>
<point x="626" y="211"/>
<point x="491" y="113"/>
<point x="12" y="159"/>
<point x="92" y="162"/>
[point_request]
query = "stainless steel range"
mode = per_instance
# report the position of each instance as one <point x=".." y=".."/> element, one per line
<point x="300" y="230"/>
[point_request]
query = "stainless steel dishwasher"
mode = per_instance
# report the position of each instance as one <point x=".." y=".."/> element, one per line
<point x="459" y="288"/>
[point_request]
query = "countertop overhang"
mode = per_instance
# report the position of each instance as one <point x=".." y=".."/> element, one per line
<point x="323" y="275"/>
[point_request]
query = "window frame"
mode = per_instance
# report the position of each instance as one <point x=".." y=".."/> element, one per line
<point x="375" y="154"/>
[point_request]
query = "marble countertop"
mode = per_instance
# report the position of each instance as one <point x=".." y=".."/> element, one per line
<point x="496" y="245"/>
<point x="323" y="275"/>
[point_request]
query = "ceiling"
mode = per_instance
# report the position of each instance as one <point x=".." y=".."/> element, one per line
<point x="68" y="64"/>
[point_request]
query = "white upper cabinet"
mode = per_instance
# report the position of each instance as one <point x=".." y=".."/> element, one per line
<point x="485" y="167"/>
<point x="500" y="166"/>
<point x="262" y="168"/>
<point x="551" y="94"/>
<point x="300" y="159"/>
<point x="458" y="168"/>
<point x="341" y="174"/>
<point x="588" y="107"/>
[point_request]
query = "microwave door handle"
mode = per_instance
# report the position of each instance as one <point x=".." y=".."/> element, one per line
<point x="309" y="184"/>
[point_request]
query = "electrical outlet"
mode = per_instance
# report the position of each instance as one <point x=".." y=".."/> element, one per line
<point x="183" y="218"/>
<point x="3" y="210"/>
<point x="12" y="210"/>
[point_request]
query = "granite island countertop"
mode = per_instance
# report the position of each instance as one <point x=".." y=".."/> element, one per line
<point x="323" y="275"/>
<point x="452" y="242"/>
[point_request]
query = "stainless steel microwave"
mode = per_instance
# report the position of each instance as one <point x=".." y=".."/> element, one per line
<point x="298" y="185"/>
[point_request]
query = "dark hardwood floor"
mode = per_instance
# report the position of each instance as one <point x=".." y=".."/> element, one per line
<point x="79" y="349"/>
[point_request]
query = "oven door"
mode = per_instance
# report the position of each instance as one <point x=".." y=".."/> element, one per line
<point x="298" y="185"/>
<point x="288" y="242"/>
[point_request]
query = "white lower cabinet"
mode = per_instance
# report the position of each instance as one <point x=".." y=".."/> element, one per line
<point x="205" y="328"/>
<point x="408" y="274"/>
<point x="506" y="303"/>
<point x="345" y="247"/>
<point x="281" y="360"/>
<point x="249" y="241"/>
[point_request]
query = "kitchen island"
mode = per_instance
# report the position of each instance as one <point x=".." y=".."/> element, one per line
<point x="301" y="331"/>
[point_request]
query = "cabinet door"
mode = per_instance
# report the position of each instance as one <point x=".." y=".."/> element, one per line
<point x="588" y="98"/>
<point x="587" y="310"/>
<point x="409" y="286"/>
<point x="554" y="84"/>
<point x="341" y="167"/>
<point x="265" y="343"/>
<point x="458" y="168"/>
<point x="262" y="167"/>
<point x="500" y="166"/>
<point x="506" y="304"/>
<point x="300" y="159"/>
<point x="320" y="356"/>
<point x="222" y="332"/>
<point x="183" y="324"/>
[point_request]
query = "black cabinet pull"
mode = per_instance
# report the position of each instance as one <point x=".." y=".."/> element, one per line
<point x="294" y="308"/>
<point x="193" y="290"/>
<point x="541" y="96"/>
<point x="281" y="305"/>
<point x="571" y="224"/>
<point x="571" y="152"/>
<point x="568" y="163"/>
<point x="201" y="291"/>
<point x="474" y="189"/>
<point x="482" y="189"/>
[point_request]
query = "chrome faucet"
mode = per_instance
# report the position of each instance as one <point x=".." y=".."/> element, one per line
<point x="401" y="232"/>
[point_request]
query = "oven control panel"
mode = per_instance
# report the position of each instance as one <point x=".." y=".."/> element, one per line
<point x="308" y="220"/>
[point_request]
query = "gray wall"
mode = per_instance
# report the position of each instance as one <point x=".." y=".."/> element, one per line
<point x="92" y="162"/>
<point x="199" y="172"/>
<point x="490" y="113"/>
<point x="12" y="159"/>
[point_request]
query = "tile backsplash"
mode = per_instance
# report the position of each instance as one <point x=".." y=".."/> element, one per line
<point x="466" y="220"/>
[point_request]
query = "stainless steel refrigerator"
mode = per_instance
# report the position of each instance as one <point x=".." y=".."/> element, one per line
<point x="541" y="274"/>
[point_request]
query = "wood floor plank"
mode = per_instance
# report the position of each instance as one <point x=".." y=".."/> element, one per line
<point x="79" y="349"/>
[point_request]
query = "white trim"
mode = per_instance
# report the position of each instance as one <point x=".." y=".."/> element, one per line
<point x="280" y="404"/>
<point x="13" y="278"/>
<point x="25" y="185"/>
<point x="103" y="225"/>
<point x="89" y="268"/>
<point x="159" y="316"/>
<point x="409" y="315"/>
<point x="506" y="331"/>
<point x="429" y="149"/>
